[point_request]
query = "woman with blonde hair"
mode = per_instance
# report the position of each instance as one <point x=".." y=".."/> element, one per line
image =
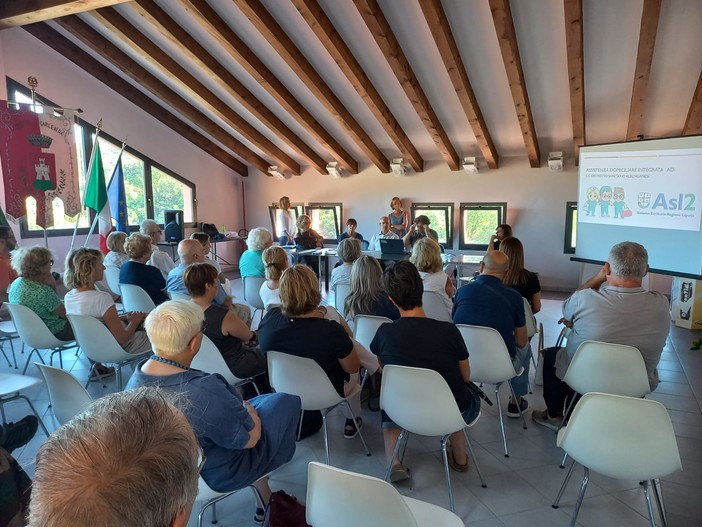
<point x="115" y="243"/>
<point x="367" y="295"/>
<point x="399" y="219"/>
<point x="285" y="222"/>
<point x="275" y="260"/>
<point x="137" y="272"/>
<point x="517" y="277"/>
<point x="426" y="257"/>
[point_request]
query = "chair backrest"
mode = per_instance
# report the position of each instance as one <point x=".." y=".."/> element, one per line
<point x="302" y="377"/>
<point x="608" y="368"/>
<point x="530" y="319"/>
<point x="621" y="437"/>
<point x="489" y="359"/>
<point x="341" y="291"/>
<point x="178" y="296"/>
<point x="411" y="397"/>
<point x="66" y="393"/>
<point x="112" y="278"/>
<point x="210" y="360"/>
<point x="134" y="298"/>
<point x="96" y="341"/>
<point x="435" y="307"/>
<point x="366" y="327"/>
<point x="252" y="288"/>
<point x="329" y="504"/>
<point x="365" y="244"/>
<point x="31" y="328"/>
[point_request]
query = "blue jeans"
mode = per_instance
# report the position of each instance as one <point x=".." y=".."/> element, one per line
<point x="520" y="384"/>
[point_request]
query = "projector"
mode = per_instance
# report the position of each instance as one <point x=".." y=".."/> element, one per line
<point x="273" y="171"/>
<point x="397" y="167"/>
<point x="470" y="165"/>
<point x="334" y="170"/>
<point x="555" y="161"/>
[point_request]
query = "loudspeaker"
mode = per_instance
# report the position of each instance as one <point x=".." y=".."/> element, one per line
<point x="174" y="229"/>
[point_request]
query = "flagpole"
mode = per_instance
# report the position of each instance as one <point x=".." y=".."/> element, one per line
<point x="87" y="182"/>
<point x="97" y="215"/>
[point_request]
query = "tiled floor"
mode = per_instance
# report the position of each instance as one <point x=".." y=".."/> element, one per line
<point x="520" y="489"/>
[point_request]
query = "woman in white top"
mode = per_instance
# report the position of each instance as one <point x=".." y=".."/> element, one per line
<point x="285" y="222"/>
<point x="158" y="258"/>
<point x="83" y="269"/>
<point x="115" y="243"/>
<point x="349" y="251"/>
<point x="426" y="257"/>
<point x="275" y="261"/>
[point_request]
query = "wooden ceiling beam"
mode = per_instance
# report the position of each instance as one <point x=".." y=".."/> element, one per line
<point x="576" y="71"/>
<point x="123" y="30"/>
<point x="647" y="42"/>
<point x="507" y="38"/>
<point x="286" y="48"/>
<point x="188" y="46"/>
<point x="217" y="28"/>
<point x="443" y="37"/>
<point x="693" y="123"/>
<point x="327" y="34"/>
<point x="100" y="45"/>
<point x="22" y="12"/>
<point x="387" y="42"/>
<point x="112" y="80"/>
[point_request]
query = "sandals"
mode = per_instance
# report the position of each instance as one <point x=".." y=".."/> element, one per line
<point x="456" y="466"/>
<point x="100" y="372"/>
<point x="351" y="429"/>
<point x="400" y="473"/>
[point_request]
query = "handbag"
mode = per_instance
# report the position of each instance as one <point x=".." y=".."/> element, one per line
<point x="284" y="510"/>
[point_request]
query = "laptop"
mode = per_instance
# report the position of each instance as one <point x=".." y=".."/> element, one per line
<point x="392" y="246"/>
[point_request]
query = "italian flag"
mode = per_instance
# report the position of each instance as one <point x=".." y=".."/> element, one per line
<point x="96" y="198"/>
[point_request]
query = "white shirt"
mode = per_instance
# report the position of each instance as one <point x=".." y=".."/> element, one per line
<point x="91" y="303"/>
<point x="161" y="260"/>
<point x="115" y="258"/>
<point x="285" y="222"/>
<point x="375" y="240"/>
<point x="437" y="282"/>
<point x="269" y="297"/>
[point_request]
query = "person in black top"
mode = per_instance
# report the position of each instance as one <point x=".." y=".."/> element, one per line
<point x="524" y="282"/>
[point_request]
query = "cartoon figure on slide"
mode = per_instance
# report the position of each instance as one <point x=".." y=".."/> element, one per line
<point x="593" y="196"/>
<point x="619" y="205"/>
<point x="605" y="199"/>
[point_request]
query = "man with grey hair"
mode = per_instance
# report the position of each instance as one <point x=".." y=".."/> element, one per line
<point x="158" y="258"/>
<point x="384" y="234"/>
<point x="612" y="306"/>
<point x="132" y="459"/>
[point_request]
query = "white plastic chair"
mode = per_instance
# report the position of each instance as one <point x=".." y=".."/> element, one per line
<point x="8" y="333"/>
<point x="11" y="385"/>
<point x="306" y="379"/>
<point x="411" y="398"/>
<point x="100" y="345"/>
<point x="36" y="335"/>
<point x="341" y="291"/>
<point x="375" y="502"/>
<point x="134" y="298"/>
<point x="490" y="363"/>
<point x="210" y="360"/>
<point x="112" y="279"/>
<point x="252" y="295"/>
<point x="211" y="497"/>
<point x="435" y="307"/>
<point x="66" y="393"/>
<point x="622" y="438"/>
<point x="174" y="295"/>
<point x="365" y="328"/>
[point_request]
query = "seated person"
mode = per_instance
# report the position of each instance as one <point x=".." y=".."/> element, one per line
<point x="242" y="440"/>
<point x="367" y="296"/>
<point x="83" y="269"/>
<point x="115" y="243"/>
<point x="420" y="229"/>
<point x="136" y="271"/>
<point x="502" y="231"/>
<point x="132" y="459"/>
<point x="158" y="258"/>
<point x="524" y="282"/>
<point x="275" y="260"/>
<point x="224" y="328"/>
<point x="426" y="257"/>
<point x="421" y="342"/>
<point x="385" y="233"/>
<point x="351" y="225"/>
<point x="307" y="238"/>
<point x="349" y="251"/>
<point x="250" y="263"/>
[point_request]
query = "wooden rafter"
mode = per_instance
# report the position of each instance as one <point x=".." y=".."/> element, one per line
<point x="507" y="37"/>
<point x="191" y="48"/>
<point x="217" y="28"/>
<point x="443" y="37"/>
<point x="647" y="42"/>
<point x="123" y="30"/>
<point x="388" y="44"/>
<point x="82" y="59"/>
<point x="576" y="70"/>
<point x="22" y="12"/>
<point x="693" y="123"/>
<point x="327" y="34"/>
<point x="100" y="45"/>
<point x="285" y="47"/>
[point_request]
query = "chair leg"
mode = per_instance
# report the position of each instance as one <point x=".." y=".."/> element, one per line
<point x="394" y="454"/>
<point x="214" y="513"/>
<point x="326" y="436"/>
<point x="34" y="410"/>
<point x="565" y="482"/>
<point x="475" y="459"/>
<point x="657" y="493"/>
<point x="649" y="505"/>
<point x="502" y="423"/>
<point x="29" y="358"/>
<point x="568" y="409"/>
<point x="563" y="461"/>
<point x="12" y="347"/>
<point x="447" y="472"/>
<point x="9" y="364"/>
<point x="119" y="377"/>
<point x="581" y="495"/>
<point x="299" y="425"/>
<point x="348" y="405"/>
<point x="514" y="398"/>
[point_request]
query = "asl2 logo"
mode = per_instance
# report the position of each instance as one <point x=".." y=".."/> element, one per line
<point x="680" y="202"/>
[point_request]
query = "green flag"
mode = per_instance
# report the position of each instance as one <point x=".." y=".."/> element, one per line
<point x="96" y="193"/>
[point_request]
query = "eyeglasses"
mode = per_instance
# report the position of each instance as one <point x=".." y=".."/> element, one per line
<point x="201" y="463"/>
<point x="157" y="232"/>
<point x="204" y="327"/>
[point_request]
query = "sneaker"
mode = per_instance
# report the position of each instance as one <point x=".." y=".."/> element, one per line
<point x="259" y="516"/>
<point x="100" y="372"/>
<point x="399" y="473"/>
<point x="350" y="429"/>
<point x="543" y="419"/>
<point x="15" y="435"/>
<point x="515" y="413"/>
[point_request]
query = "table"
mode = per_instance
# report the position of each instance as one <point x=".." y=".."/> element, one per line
<point x="173" y="246"/>
<point x="228" y="239"/>
<point x="461" y="261"/>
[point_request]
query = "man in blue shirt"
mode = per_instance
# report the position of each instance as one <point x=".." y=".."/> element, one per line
<point x="190" y="251"/>
<point x="487" y="302"/>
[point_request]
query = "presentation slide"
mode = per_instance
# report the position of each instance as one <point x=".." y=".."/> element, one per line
<point x="643" y="191"/>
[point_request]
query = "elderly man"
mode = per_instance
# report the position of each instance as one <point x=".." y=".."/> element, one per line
<point x="385" y="233"/>
<point x="487" y="302"/>
<point x="158" y="258"/>
<point x="420" y="229"/>
<point x="7" y="273"/>
<point x="131" y="460"/>
<point x="611" y="307"/>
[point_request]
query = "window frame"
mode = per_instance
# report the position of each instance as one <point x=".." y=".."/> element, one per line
<point x="447" y="208"/>
<point x="337" y="216"/>
<point x="570" y="224"/>
<point x="499" y="207"/>
<point x="273" y="208"/>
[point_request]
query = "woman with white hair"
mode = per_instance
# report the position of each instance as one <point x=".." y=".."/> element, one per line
<point x="115" y="243"/>
<point x="426" y="257"/>
<point x="158" y="258"/>
<point x="251" y="263"/>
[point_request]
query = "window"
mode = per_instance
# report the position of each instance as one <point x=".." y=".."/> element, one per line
<point x="571" y="226"/>
<point x="478" y="222"/>
<point x="150" y="187"/>
<point x="441" y="217"/>
<point x="295" y="209"/>
<point x="325" y="219"/>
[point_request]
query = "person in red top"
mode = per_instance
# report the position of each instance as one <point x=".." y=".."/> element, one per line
<point x="8" y="243"/>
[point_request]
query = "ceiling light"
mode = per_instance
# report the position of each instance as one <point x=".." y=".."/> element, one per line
<point x="398" y="168"/>
<point x="470" y="165"/>
<point x="273" y="171"/>
<point x="555" y="161"/>
<point x="334" y="170"/>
